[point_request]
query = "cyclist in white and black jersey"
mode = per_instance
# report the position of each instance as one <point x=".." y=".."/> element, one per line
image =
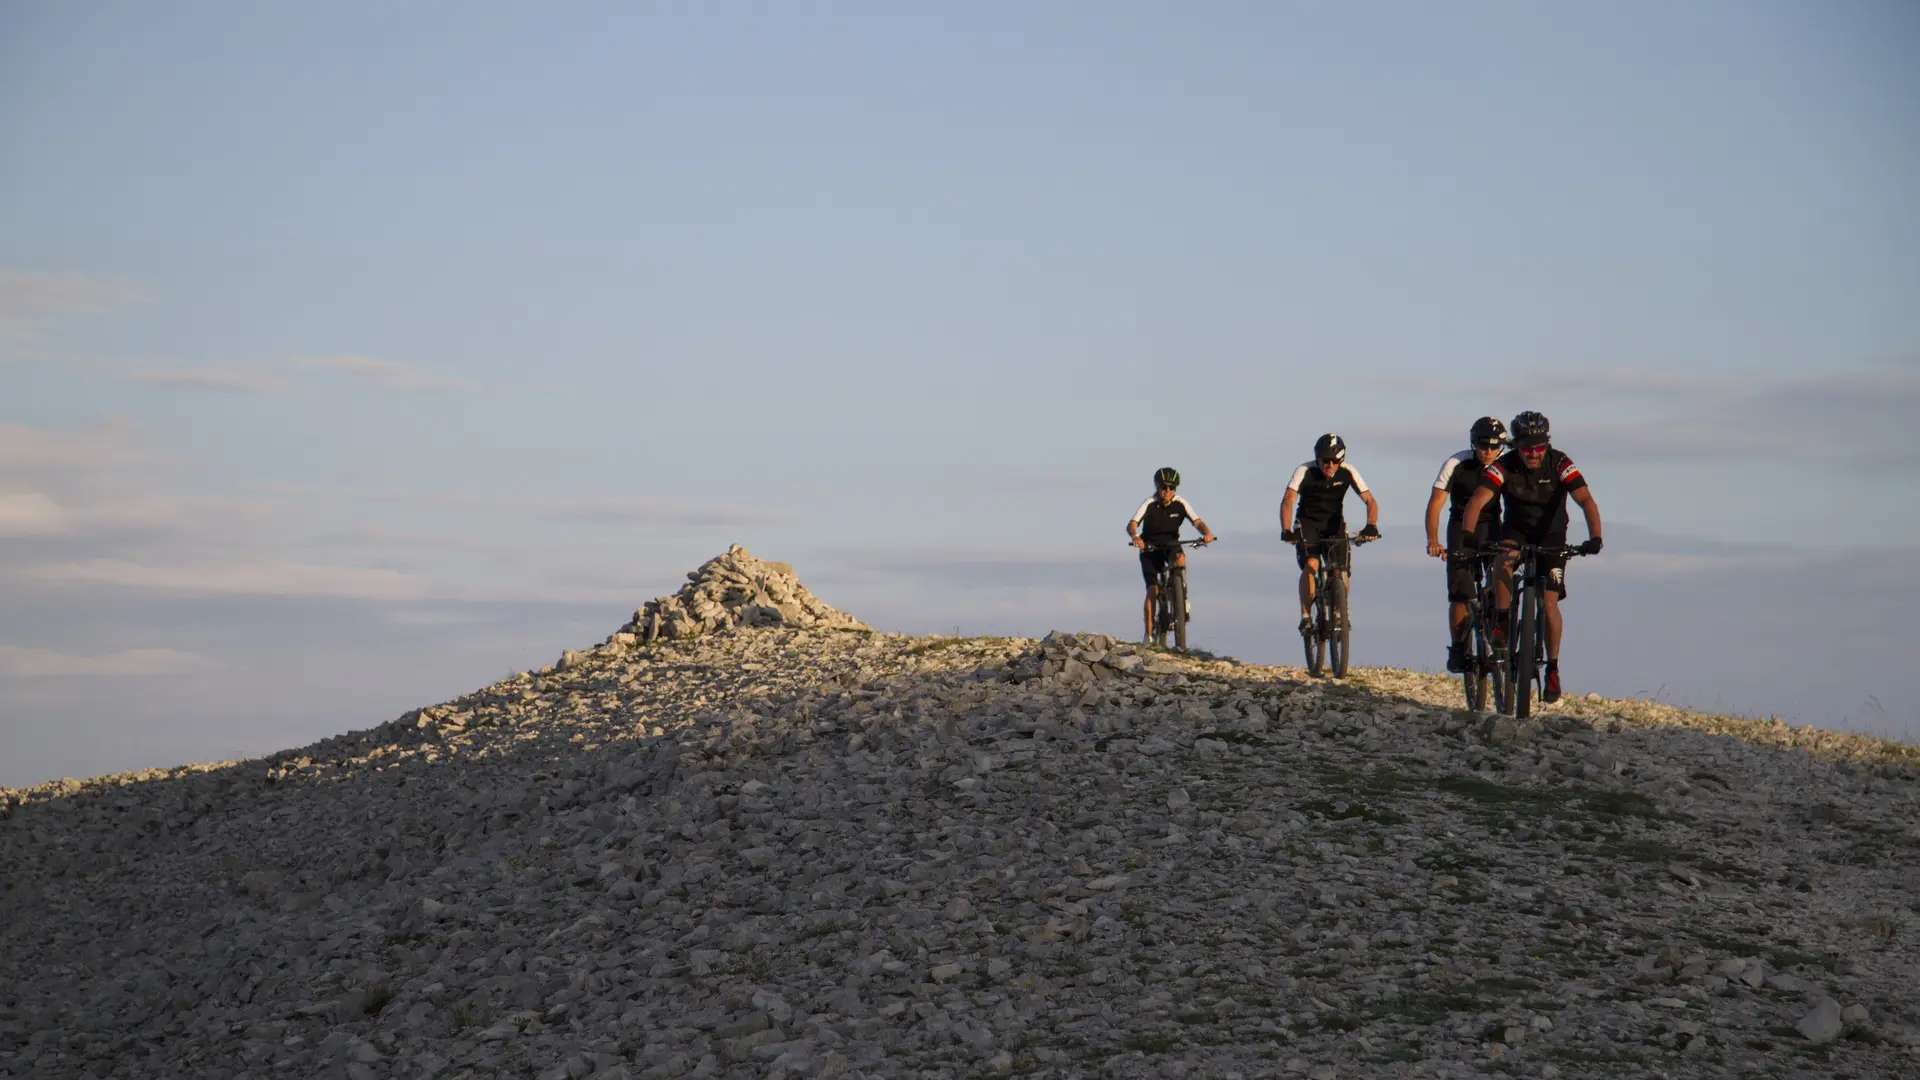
<point x="1318" y="490"/>
<point x="1155" y="530"/>
<point x="1459" y="478"/>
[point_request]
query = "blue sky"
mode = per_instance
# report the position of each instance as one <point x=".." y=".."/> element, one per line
<point x="352" y="356"/>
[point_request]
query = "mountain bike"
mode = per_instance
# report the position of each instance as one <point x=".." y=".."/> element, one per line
<point x="1170" y="610"/>
<point x="1527" y="633"/>
<point x="1485" y="677"/>
<point x="1331" y="631"/>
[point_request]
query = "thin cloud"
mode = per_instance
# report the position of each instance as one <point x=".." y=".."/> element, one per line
<point x="234" y="579"/>
<point x="224" y="380"/>
<point x="109" y="446"/>
<point x="31" y="513"/>
<point x="388" y="374"/>
<point x="30" y="299"/>
<point x="618" y="511"/>
<point x="607" y="510"/>
<point x="433" y="618"/>
<point x="21" y="662"/>
<point x="1857" y="418"/>
<point x="1655" y="564"/>
<point x="1635" y="382"/>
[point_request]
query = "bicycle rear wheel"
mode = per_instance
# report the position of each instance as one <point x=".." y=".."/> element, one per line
<point x="1525" y="656"/>
<point x="1474" y="678"/>
<point x="1311" y="637"/>
<point x="1177" y="587"/>
<point x="1492" y="664"/>
<point x="1339" y="633"/>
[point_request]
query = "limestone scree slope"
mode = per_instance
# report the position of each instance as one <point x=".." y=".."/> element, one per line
<point x="748" y="837"/>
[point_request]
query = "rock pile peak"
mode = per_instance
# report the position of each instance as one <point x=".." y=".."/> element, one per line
<point x="733" y="589"/>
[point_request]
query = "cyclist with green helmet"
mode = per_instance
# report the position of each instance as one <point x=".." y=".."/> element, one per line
<point x="1155" y="530"/>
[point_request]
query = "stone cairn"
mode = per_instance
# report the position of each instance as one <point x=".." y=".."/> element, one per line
<point x="729" y="590"/>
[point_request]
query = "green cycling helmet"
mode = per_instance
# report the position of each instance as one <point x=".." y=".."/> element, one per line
<point x="1168" y="477"/>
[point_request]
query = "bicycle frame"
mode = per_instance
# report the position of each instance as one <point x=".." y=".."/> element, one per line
<point x="1170" y="604"/>
<point x="1330" y="631"/>
<point x="1485" y="672"/>
<point x="1526" y="657"/>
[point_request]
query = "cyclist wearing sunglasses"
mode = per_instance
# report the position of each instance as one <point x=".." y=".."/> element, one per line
<point x="1319" y="489"/>
<point x="1534" y="481"/>
<point x="1459" y="478"/>
<point x="1155" y="530"/>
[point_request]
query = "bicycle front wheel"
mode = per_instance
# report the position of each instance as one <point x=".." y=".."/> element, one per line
<point x="1474" y="678"/>
<point x="1340" y="632"/>
<point x="1177" y="587"/>
<point x="1525" y="655"/>
<point x="1493" y="666"/>
<point x="1311" y="637"/>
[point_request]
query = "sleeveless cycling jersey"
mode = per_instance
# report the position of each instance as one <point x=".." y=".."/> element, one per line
<point x="1535" y="500"/>
<point x="1161" y="524"/>
<point x="1322" y="499"/>
<point x="1460" y="476"/>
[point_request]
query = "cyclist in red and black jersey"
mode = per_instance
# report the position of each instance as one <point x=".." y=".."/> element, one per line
<point x="1534" y="482"/>
<point x="1319" y="489"/>
<point x="1459" y="478"/>
<point x="1155" y="530"/>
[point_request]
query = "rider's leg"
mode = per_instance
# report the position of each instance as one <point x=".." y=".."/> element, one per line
<point x="1306" y="587"/>
<point x="1503" y="577"/>
<point x="1551" y="600"/>
<point x="1503" y="593"/>
<point x="1146" y="613"/>
<point x="1180" y="560"/>
<point x="1456" y="622"/>
<point x="1550" y="688"/>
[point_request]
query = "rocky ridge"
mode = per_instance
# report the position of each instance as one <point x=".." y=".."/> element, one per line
<point x="781" y="851"/>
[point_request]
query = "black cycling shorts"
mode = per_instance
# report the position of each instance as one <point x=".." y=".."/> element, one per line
<point x="1153" y="560"/>
<point x="1339" y="555"/>
<point x="1554" y="566"/>
<point x="1460" y="579"/>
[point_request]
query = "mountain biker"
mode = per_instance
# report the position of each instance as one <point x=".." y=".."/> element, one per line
<point x="1534" y="481"/>
<point x="1459" y="478"/>
<point x="1155" y="530"/>
<point x="1320" y="487"/>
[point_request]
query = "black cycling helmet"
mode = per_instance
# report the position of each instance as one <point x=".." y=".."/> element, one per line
<point x="1529" y="429"/>
<point x="1330" y="447"/>
<point x="1488" y="433"/>
<point x="1166" y="477"/>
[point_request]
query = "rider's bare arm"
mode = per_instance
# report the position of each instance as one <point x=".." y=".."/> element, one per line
<point x="1286" y="509"/>
<point x="1373" y="508"/>
<point x="1591" y="509"/>
<point x="1470" y="517"/>
<point x="1434" y="502"/>
<point x="1205" y="533"/>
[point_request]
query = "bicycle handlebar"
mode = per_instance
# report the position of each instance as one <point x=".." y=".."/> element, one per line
<point x="1329" y="540"/>
<point x="1177" y="544"/>
<point x="1566" y="550"/>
